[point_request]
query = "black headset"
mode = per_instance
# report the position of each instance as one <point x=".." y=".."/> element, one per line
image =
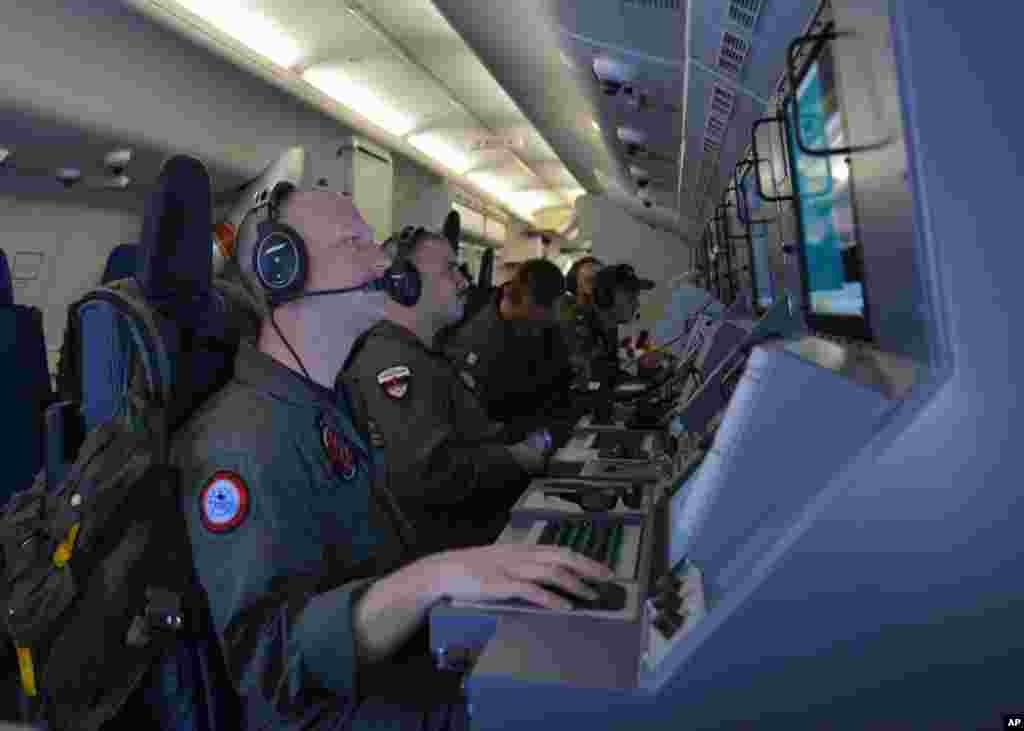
<point x="405" y="281"/>
<point x="280" y="261"/>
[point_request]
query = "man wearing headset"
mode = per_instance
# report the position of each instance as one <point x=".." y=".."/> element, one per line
<point x="512" y="352"/>
<point x="448" y="467"/>
<point x="592" y="330"/>
<point x="300" y="548"/>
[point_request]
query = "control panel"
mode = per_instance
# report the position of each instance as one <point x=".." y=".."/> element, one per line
<point x="676" y="605"/>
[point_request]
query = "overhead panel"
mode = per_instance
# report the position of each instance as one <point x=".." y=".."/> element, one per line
<point x="736" y="51"/>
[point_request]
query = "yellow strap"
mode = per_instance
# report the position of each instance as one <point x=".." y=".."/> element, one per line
<point x="63" y="553"/>
<point x="28" y="673"/>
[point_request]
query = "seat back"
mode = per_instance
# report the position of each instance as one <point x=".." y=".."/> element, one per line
<point x="122" y="263"/>
<point x="25" y="390"/>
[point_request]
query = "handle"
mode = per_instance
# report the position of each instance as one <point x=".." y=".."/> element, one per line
<point x="796" y="44"/>
<point x="741" y="198"/>
<point x="781" y="119"/>
<point x="723" y="206"/>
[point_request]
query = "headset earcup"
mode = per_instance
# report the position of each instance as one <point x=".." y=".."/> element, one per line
<point x="404" y="283"/>
<point x="272" y="234"/>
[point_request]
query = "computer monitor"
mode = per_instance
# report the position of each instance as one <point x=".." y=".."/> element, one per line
<point x="831" y="255"/>
<point x="760" y="271"/>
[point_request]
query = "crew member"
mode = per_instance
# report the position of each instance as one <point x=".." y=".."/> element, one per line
<point x="513" y="352"/>
<point x="579" y="285"/>
<point x="438" y="443"/>
<point x="295" y="539"/>
<point x="592" y="331"/>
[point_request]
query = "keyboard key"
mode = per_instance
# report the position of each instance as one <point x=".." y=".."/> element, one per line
<point x="599" y="542"/>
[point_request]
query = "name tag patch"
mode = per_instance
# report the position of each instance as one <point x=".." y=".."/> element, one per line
<point x="395" y="381"/>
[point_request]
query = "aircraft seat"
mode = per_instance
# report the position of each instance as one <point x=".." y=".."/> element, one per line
<point x="25" y="390"/>
<point x="121" y="264"/>
<point x="173" y="273"/>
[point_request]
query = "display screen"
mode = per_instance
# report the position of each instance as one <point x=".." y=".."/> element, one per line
<point x="751" y="203"/>
<point x="831" y="251"/>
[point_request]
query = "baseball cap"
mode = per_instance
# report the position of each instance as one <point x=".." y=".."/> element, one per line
<point x="622" y="276"/>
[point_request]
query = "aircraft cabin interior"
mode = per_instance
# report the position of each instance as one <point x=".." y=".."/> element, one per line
<point x="813" y="513"/>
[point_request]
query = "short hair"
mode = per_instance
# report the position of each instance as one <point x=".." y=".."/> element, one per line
<point x="572" y="279"/>
<point x="540" y="279"/>
<point x="405" y="243"/>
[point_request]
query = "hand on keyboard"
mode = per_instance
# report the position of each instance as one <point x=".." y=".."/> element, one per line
<point x="540" y="575"/>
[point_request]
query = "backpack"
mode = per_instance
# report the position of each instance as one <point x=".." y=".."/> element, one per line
<point x="97" y="568"/>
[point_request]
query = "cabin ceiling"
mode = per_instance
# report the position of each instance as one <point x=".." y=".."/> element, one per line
<point x="503" y="96"/>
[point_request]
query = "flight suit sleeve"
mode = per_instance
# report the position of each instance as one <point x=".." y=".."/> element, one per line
<point x="284" y="639"/>
<point x="431" y="461"/>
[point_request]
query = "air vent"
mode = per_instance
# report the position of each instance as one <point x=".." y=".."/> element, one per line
<point x="722" y="100"/>
<point x="732" y="53"/>
<point x="675" y="6"/>
<point x="744" y="13"/>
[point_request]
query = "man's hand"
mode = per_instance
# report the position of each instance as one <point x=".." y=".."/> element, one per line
<point x="393" y="606"/>
<point x="510" y="572"/>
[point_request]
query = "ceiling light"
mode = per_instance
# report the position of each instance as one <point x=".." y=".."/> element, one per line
<point x="527" y="202"/>
<point x="250" y="28"/>
<point x="333" y="82"/>
<point x="489" y="183"/>
<point x="597" y="127"/>
<point x="441" y="151"/>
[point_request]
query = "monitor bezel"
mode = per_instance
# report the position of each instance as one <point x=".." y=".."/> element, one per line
<point x="845" y="326"/>
<point x="759" y="309"/>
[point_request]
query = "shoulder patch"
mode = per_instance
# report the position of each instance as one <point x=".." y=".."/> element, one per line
<point x="471" y="359"/>
<point x="223" y="502"/>
<point x="395" y="381"/>
<point x="339" y="453"/>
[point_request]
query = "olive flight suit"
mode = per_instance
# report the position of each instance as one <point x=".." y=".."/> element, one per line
<point x="290" y="523"/>
<point x="519" y="370"/>
<point x="446" y="461"/>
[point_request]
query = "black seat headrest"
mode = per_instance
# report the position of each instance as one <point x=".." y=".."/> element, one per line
<point x="122" y="263"/>
<point x="175" y="257"/>
<point x="6" y="284"/>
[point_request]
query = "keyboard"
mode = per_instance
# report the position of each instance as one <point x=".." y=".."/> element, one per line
<point x="600" y="541"/>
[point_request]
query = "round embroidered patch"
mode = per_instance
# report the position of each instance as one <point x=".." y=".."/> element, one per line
<point x="223" y="502"/>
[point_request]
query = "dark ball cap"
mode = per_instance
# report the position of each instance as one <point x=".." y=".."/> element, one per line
<point x="621" y="276"/>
